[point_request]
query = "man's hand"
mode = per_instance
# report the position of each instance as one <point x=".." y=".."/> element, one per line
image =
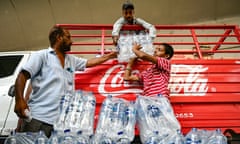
<point x="128" y="71"/>
<point x="112" y="54"/>
<point x="115" y="40"/>
<point x="20" y="107"/>
<point x="136" y="47"/>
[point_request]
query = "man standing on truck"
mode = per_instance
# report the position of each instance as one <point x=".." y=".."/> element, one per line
<point x="51" y="72"/>
<point x="128" y="18"/>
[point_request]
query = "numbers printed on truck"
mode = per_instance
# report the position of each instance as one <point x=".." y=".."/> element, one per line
<point x="184" y="115"/>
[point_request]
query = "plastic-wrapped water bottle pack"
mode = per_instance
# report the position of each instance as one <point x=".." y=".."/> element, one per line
<point x="76" y="113"/>
<point x="194" y="136"/>
<point x="116" y="122"/>
<point x="156" y="119"/>
<point x="126" y="41"/>
<point x="201" y="136"/>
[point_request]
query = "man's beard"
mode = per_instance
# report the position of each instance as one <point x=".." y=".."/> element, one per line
<point x="65" y="47"/>
<point x="129" y="20"/>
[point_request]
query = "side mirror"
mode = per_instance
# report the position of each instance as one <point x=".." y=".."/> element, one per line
<point x="11" y="91"/>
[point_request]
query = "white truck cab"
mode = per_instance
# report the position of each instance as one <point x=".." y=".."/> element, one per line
<point x="10" y="65"/>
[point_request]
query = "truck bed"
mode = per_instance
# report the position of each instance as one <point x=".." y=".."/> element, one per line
<point x="205" y="82"/>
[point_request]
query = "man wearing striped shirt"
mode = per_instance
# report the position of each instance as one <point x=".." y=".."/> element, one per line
<point x="155" y="79"/>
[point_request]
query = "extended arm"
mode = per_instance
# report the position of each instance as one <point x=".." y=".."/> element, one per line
<point x="102" y="59"/>
<point x="142" y="55"/>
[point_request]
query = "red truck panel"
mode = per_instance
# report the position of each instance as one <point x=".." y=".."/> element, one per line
<point x="204" y="94"/>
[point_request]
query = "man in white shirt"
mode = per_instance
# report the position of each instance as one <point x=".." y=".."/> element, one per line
<point x="51" y="72"/>
<point x="129" y="19"/>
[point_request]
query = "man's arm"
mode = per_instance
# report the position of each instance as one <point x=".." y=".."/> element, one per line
<point x="128" y="72"/>
<point x="146" y="25"/>
<point x="116" y="29"/>
<point x="115" y="40"/>
<point x="102" y="59"/>
<point x="20" y="102"/>
<point x="142" y="55"/>
<point x="26" y="98"/>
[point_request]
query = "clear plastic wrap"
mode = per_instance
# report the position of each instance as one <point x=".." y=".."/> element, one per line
<point x="116" y="121"/>
<point x="156" y="119"/>
<point x="126" y="41"/>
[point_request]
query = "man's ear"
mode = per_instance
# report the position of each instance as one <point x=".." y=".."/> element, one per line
<point x="59" y="38"/>
<point x="167" y="56"/>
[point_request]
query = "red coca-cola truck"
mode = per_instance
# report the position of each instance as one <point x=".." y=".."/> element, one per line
<point x="205" y="76"/>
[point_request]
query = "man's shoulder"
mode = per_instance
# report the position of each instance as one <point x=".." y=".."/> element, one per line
<point x="140" y="21"/>
<point x="163" y="59"/>
<point x="42" y="54"/>
<point x="41" y="51"/>
<point x="120" y="20"/>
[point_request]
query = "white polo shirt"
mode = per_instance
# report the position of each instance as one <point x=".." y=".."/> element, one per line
<point x="50" y="81"/>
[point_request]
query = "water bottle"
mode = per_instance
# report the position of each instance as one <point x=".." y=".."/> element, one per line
<point x="115" y="119"/>
<point x="177" y="138"/>
<point x="125" y="114"/>
<point x="118" y="115"/>
<point x="168" y="122"/>
<point x="217" y="138"/>
<point x="143" y="119"/>
<point x="28" y="115"/>
<point x="67" y="138"/>
<point x="81" y="139"/>
<point x="147" y="45"/>
<point x="26" y="138"/>
<point x="41" y="138"/>
<point x="54" y="139"/>
<point x="192" y="137"/>
<point x="88" y="113"/>
<point x="125" y="43"/>
<point x="64" y="104"/>
<point x="204" y="135"/>
<point x="153" y="139"/>
<point x="156" y="118"/>
<point x="105" y="116"/>
<point x="130" y="121"/>
<point x="153" y="114"/>
<point x="12" y="139"/>
<point x="105" y="140"/>
<point x="123" y="141"/>
<point x="74" y="112"/>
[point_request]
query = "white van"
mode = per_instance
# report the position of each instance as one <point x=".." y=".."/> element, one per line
<point x="10" y="64"/>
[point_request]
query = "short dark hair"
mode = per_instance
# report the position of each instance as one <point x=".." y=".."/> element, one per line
<point x="54" y="33"/>
<point x="127" y="5"/>
<point x="168" y="50"/>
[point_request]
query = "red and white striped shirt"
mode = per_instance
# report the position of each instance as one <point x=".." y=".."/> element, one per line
<point x="155" y="79"/>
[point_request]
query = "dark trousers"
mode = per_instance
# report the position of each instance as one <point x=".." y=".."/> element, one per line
<point x="36" y="126"/>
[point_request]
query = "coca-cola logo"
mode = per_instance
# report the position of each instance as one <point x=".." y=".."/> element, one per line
<point x="186" y="80"/>
<point x="114" y="77"/>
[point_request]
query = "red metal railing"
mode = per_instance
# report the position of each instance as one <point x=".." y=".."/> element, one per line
<point x="219" y="34"/>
